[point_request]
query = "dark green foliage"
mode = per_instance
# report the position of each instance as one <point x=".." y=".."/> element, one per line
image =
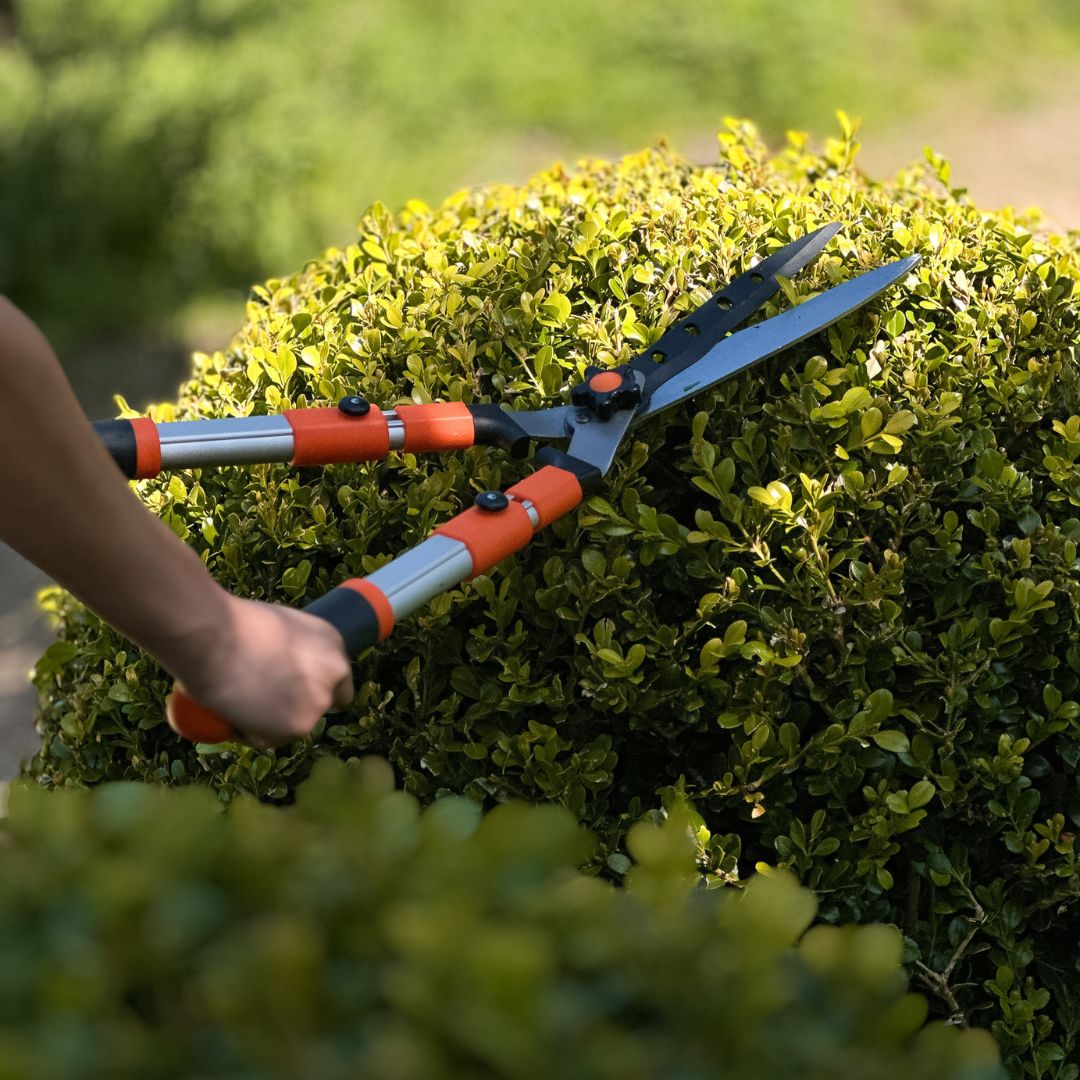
<point x="834" y="604"/>
<point x="146" y="934"/>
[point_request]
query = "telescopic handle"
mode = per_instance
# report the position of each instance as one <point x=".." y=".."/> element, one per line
<point x="365" y="610"/>
<point x="353" y="431"/>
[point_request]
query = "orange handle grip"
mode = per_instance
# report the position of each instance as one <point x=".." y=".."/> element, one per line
<point x="191" y="721"/>
<point x="328" y="436"/>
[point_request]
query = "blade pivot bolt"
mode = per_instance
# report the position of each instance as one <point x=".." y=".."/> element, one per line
<point x="491" y="500"/>
<point x="605" y="390"/>
<point x="354" y="405"/>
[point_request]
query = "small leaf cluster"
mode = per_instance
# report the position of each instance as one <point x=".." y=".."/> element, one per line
<point x="833" y="604"/>
<point x="147" y="933"/>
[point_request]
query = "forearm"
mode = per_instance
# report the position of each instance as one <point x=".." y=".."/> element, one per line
<point x="66" y="508"/>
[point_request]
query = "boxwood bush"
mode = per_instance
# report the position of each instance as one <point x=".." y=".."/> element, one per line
<point x="146" y="934"/>
<point x="832" y="604"/>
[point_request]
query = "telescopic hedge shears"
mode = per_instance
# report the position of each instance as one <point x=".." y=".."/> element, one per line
<point x="695" y="353"/>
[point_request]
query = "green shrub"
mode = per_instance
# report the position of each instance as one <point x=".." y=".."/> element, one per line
<point x="146" y="934"/>
<point x="833" y="604"/>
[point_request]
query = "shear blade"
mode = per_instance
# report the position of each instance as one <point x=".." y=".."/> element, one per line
<point x="758" y="342"/>
<point x="687" y="340"/>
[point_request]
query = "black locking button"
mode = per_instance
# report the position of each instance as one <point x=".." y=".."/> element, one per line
<point x="491" y="500"/>
<point x="354" y="405"/>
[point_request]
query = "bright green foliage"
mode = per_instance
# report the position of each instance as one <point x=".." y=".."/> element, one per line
<point x="159" y="150"/>
<point x="834" y="603"/>
<point x="145" y="933"/>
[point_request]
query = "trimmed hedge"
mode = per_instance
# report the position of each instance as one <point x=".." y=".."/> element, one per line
<point x="146" y="934"/>
<point x="834" y="604"/>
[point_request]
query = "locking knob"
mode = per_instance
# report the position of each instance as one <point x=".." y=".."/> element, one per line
<point x="491" y="500"/>
<point x="354" y="405"/>
<point x="606" y="390"/>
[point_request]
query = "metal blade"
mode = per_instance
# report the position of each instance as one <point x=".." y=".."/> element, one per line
<point x="545" y="423"/>
<point x="765" y="339"/>
<point x="597" y="441"/>
<point x="687" y="340"/>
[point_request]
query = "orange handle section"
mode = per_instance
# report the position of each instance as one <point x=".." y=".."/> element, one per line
<point x="328" y="436"/>
<point x="490" y="535"/>
<point x="442" y="425"/>
<point x="553" y="491"/>
<point x="190" y="720"/>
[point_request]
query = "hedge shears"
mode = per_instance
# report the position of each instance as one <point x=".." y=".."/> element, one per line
<point x="695" y="353"/>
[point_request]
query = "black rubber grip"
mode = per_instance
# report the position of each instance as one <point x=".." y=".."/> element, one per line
<point x="493" y="426"/>
<point x="350" y="615"/>
<point x="118" y="437"/>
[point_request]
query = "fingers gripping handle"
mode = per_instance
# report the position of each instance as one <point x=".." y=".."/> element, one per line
<point x="356" y="609"/>
<point x="365" y="610"/>
<point x="189" y="719"/>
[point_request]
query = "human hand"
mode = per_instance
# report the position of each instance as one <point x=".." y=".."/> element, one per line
<point x="272" y="672"/>
<point x="269" y="671"/>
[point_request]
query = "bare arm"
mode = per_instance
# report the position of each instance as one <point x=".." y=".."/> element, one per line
<point x="269" y="670"/>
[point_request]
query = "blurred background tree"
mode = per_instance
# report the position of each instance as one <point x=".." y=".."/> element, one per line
<point x="159" y="157"/>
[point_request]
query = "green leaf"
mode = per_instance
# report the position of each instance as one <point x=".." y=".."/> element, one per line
<point x="285" y="362"/>
<point x="920" y="794"/>
<point x="57" y="655"/>
<point x="594" y="562"/>
<point x="878" y="705"/>
<point x="858" y="397"/>
<point x="895" y="742"/>
<point x="900" y="422"/>
<point x="870" y="422"/>
<point x="375" y="250"/>
<point x="557" y="307"/>
<point x="777" y="495"/>
<point x="296" y="577"/>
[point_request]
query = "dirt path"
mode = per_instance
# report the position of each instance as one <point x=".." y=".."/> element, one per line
<point x="1003" y="158"/>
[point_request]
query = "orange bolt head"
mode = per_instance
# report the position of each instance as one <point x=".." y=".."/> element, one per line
<point x="606" y="380"/>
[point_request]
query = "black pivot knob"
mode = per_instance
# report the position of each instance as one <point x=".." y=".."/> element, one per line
<point x="491" y="500"/>
<point x="354" y="405"/>
<point x="606" y="390"/>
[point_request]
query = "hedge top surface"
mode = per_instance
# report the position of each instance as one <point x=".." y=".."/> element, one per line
<point x="839" y="612"/>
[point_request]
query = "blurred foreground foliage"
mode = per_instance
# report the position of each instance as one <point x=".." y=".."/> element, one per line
<point x="147" y="934"/>
<point x="834" y="604"/>
<point x="156" y="152"/>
